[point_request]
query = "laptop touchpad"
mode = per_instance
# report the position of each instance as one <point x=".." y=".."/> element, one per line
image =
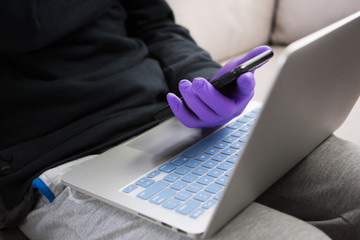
<point x="168" y="138"/>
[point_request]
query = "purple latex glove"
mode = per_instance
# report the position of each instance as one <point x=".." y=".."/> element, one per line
<point x="209" y="106"/>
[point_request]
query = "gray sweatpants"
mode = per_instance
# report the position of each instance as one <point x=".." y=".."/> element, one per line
<point x="317" y="199"/>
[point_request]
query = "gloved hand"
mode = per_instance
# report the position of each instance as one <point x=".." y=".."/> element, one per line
<point x="209" y="106"/>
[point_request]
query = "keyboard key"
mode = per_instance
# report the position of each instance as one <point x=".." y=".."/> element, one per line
<point x="234" y="125"/>
<point x="245" y="128"/>
<point x="213" y="188"/>
<point x="215" y="173"/>
<point x="147" y="183"/>
<point x="222" y="180"/>
<point x="189" y="177"/>
<point x="172" y="177"/>
<point x="192" y="163"/>
<point x="171" y="203"/>
<point x="162" y="196"/>
<point x="251" y="123"/>
<point x="195" y="214"/>
<point x="205" y="180"/>
<point x="141" y="181"/>
<point x="166" y="167"/>
<point x="229" y="139"/>
<point x="194" y="187"/>
<point x="243" y="138"/>
<point x="221" y="145"/>
<point x="237" y="145"/>
<point x="219" y="157"/>
<point x="232" y="159"/>
<point x="243" y="119"/>
<point x="153" y="174"/>
<point x="188" y="206"/>
<point x="225" y="166"/>
<point x="212" y="150"/>
<point x="205" y="143"/>
<point x="153" y="189"/>
<point x="200" y="171"/>
<point x="129" y="188"/>
<point x="202" y="157"/>
<point x="218" y="195"/>
<point x="251" y="115"/>
<point x="209" y="164"/>
<point x="183" y="195"/>
<point x="228" y="151"/>
<point x="209" y="204"/>
<point x="228" y="173"/>
<point x="179" y="160"/>
<point x="238" y="134"/>
<point x="182" y="170"/>
<point x="178" y="185"/>
<point x="202" y="196"/>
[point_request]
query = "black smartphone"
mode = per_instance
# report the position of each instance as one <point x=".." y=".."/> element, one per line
<point x="226" y="78"/>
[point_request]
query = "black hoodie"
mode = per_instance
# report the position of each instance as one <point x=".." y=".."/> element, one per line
<point x="79" y="76"/>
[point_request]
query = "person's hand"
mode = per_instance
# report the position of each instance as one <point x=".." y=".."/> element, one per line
<point x="209" y="106"/>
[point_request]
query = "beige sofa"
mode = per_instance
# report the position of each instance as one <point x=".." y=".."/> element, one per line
<point x="229" y="28"/>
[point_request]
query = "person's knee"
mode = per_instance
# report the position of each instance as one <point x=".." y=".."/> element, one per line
<point x="261" y="222"/>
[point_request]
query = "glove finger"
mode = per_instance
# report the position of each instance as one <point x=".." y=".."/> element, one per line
<point x="245" y="84"/>
<point x="201" y="109"/>
<point x="219" y="103"/>
<point x="239" y="60"/>
<point x="244" y="92"/>
<point x="178" y="108"/>
<point x="187" y="118"/>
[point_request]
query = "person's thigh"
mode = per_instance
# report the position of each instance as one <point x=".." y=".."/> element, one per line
<point x="73" y="215"/>
<point x="323" y="189"/>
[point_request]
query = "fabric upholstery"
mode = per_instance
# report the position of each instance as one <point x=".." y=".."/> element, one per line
<point x="236" y="26"/>
<point x="295" y="19"/>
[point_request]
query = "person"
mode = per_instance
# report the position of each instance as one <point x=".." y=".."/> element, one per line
<point x="80" y="77"/>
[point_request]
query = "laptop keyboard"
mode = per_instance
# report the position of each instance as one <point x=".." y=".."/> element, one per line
<point x="193" y="181"/>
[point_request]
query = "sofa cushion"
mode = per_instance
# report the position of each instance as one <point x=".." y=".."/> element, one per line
<point x="228" y="27"/>
<point x="296" y="19"/>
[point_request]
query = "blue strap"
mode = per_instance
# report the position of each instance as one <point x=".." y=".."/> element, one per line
<point x="44" y="189"/>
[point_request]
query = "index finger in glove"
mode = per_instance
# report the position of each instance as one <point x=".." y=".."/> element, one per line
<point x="239" y="60"/>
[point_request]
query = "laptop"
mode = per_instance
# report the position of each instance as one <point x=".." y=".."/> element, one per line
<point x="194" y="181"/>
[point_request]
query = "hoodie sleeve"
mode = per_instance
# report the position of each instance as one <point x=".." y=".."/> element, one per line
<point x="153" y="22"/>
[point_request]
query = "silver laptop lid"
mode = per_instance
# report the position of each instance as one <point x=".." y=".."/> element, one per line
<point x="318" y="82"/>
<point x="293" y="122"/>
